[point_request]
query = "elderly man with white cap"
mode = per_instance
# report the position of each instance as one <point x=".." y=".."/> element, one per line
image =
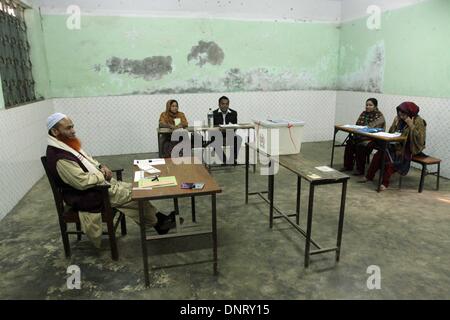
<point x="77" y="172"/>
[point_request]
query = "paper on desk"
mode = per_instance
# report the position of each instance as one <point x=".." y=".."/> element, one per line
<point x="146" y="164"/>
<point x="387" y="134"/>
<point x="353" y="126"/>
<point x="152" y="170"/>
<point x="228" y="125"/>
<point x="314" y="176"/>
<point x="138" y="175"/>
<point x="325" y="169"/>
<point x="156" y="183"/>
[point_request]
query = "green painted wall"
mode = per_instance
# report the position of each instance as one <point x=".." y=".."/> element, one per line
<point x="37" y="53"/>
<point x="409" y="55"/>
<point x="256" y="55"/>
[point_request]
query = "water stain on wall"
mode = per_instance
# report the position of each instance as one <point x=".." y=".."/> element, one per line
<point x="206" y="52"/>
<point x="97" y="67"/>
<point x="150" y="68"/>
<point x="235" y="79"/>
<point x="370" y="75"/>
<point x="263" y="79"/>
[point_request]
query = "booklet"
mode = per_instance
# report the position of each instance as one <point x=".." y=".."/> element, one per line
<point x="190" y="185"/>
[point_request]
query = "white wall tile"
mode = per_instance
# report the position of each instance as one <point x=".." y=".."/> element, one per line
<point x="127" y="124"/>
<point x="23" y="142"/>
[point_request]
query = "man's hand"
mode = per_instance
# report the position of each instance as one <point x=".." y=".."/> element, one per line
<point x="106" y="172"/>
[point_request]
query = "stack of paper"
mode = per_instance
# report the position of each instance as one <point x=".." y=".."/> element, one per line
<point x="387" y="134"/>
<point x="157" y="182"/>
<point x="353" y="126"/>
<point x="138" y="175"/>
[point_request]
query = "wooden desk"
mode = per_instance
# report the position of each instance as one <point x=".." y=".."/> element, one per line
<point x="382" y="142"/>
<point x="299" y="166"/>
<point x="183" y="173"/>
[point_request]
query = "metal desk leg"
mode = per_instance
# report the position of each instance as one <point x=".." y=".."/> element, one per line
<point x="332" y="147"/>
<point x="246" y="171"/>
<point x="438" y="174"/>
<point x="341" y="219"/>
<point x="297" y="211"/>
<point x="143" y="242"/>
<point x="382" y="164"/>
<point x="159" y="145"/>
<point x="193" y="208"/>
<point x="175" y="206"/>
<point x="248" y="141"/>
<point x="214" y="231"/>
<point x="309" y="224"/>
<point x="271" y="194"/>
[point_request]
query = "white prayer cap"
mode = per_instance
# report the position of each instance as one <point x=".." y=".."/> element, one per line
<point x="54" y="119"/>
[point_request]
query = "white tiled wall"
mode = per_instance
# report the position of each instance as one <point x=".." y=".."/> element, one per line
<point x="435" y="111"/>
<point x="22" y="143"/>
<point x="127" y="124"/>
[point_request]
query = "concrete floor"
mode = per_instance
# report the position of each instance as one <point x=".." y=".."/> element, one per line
<point x="405" y="233"/>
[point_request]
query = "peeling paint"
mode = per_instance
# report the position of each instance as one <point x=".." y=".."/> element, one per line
<point x="149" y="68"/>
<point x="206" y="52"/>
<point x="370" y="76"/>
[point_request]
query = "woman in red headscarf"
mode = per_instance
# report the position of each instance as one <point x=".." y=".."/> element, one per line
<point x="398" y="156"/>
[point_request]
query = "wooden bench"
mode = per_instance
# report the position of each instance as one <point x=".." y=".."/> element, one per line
<point x="425" y="161"/>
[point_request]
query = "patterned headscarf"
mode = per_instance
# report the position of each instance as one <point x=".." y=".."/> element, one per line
<point x="368" y="117"/>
